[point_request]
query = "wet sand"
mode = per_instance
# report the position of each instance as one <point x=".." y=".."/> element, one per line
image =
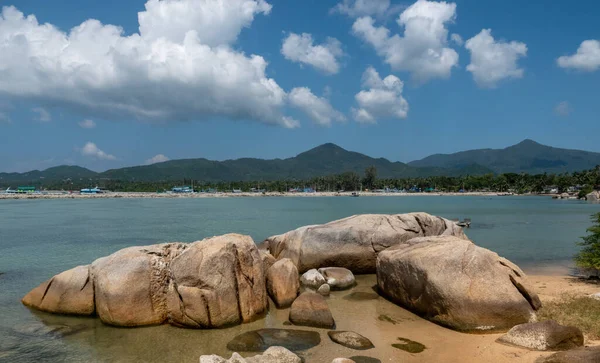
<point x="359" y="309"/>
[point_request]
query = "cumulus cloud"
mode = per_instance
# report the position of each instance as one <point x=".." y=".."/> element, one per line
<point x="586" y="59"/>
<point x="317" y="108"/>
<point x="90" y="149"/>
<point x="300" y="48"/>
<point x="422" y="50"/>
<point x="457" y="39"/>
<point x="563" y="109"/>
<point x="382" y="99"/>
<point x="87" y="124"/>
<point x="180" y="66"/>
<point x="42" y="114"/>
<point x="358" y="8"/>
<point x="493" y="61"/>
<point x="160" y="158"/>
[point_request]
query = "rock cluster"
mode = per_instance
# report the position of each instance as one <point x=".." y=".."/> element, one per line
<point x="207" y="284"/>
<point x="455" y="283"/>
<point x="355" y="242"/>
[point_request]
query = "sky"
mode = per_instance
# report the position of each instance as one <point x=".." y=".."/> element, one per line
<point x="118" y="83"/>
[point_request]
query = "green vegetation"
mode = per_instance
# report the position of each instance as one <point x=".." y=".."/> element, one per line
<point x="589" y="256"/>
<point x="582" y="312"/>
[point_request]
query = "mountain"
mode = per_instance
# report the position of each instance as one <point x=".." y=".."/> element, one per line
<point x="527" y="156"/>
<point x="53" y="174"/>
<point x="328" y="159"/>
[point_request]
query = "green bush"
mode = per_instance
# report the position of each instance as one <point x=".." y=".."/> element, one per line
<point x="589" y="256"/>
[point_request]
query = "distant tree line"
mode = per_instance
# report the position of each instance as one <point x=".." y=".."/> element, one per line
<point x="585" y="181"/>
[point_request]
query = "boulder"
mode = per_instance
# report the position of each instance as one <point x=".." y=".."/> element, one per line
<point x="283" y="283"/>
<point x="311" y="309"/>
<point x="593" y="196"/>
<point x="350" y="340"/>
<point x="455" y="283"/>
<point x="338" y="278"/>
<point x="260" y="340"/>
<point x="579" y="355"/>
<point x="547" y="335"/>
<point x="271" y="355"/>
<point x="324" y="290"/>
<point x="312" y="279"/>
<point x="70" y="292"/>
<point x="354" y="242"/>
<point x="207" y="284"/>
<point x="267" y="260"/>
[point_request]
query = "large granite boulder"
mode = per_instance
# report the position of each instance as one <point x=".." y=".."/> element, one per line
<point x="206" y="284"/>
<point x="283" y="283"/>
<point x="70" y="292"/>
<point x="310" y="309"/>
<point x="593" y="196"/>
<point x="455" y="283"/>
<point x="354" y="242"/>
<point x="546" y="335"/>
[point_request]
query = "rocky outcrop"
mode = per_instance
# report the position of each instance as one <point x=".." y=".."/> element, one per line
<point x="580" y="355"/>
<point x="283" y="283"/>
<point x="593" y="196"/>
<point x="350" y="340"/>
<point x="338" y="278"/>
<point x="310" y="309"/>
<point x="547" y="335"/>
<point x="455" y="283"/>
<point x="354" y="242"/>
<point x="271" y="355"/>
<point x="207" y="284"/>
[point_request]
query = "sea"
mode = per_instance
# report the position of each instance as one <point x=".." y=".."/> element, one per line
<point x="40" y="238"/>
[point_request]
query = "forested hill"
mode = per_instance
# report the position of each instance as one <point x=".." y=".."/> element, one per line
<point x="527" y="156"/>
<point x="329" y="159"/>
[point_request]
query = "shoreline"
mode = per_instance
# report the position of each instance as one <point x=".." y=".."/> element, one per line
<point x="130" y="195"/>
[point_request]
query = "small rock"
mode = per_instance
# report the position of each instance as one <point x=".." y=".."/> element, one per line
<point x="338" y="278"/>
<point x="313" y="279"/>
<point x="260" y="340"/>
<point x="311" y="309"/>
<point x="342" y="360"/>
<point x="350" y="340"/>
<point x="546" y="335"/>
<point x="271" y="355"/>
<point x="282" y="282"/>
<point x="579" y="355"/>
<point x="324" y="290"/>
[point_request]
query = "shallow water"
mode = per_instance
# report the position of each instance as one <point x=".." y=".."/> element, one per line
<point x="39" y="238"/>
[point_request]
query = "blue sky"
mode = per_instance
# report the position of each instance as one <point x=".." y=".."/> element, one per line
<point x="189" y="86"/>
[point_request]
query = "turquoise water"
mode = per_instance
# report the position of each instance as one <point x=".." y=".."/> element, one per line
<point x="40" y="238"/>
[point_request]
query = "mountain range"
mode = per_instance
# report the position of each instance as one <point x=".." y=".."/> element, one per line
<point x="528" y="157"/>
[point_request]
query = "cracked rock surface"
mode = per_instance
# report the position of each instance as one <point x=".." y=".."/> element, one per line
<point x="355" y="242"/>
<point x="206" y="284"/>
<point x="455" y="283"/>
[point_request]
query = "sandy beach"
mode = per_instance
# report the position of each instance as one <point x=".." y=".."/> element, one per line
<point x="74" y="195"/>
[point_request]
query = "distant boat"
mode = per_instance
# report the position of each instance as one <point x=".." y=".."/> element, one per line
<point x="355" y="194"/>
<point x="465" y="223"/>
<point x="505" y="194"/>
<point x="95" y="190"/>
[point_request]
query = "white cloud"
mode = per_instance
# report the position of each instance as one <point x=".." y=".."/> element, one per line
<point x="90" y="149"/>
<point x="317" y="108"/>
<point x="457" y="39"/>
<point x="87" y="124"/>
<point x="422" y="50"/>
<point x="358" y="8"/>
<point x="180" y="66"/>
<point x="160" y="158"/>
<point x="563" y="109"/>
<point x="383" y="99"/>
<point x="492" y="61"/>
<point x="42" y="114"/>
<point x="586" y="59"/>
<point x="300" y="48"/>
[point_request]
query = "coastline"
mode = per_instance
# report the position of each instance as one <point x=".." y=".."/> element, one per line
<point x="76" y="195"/>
